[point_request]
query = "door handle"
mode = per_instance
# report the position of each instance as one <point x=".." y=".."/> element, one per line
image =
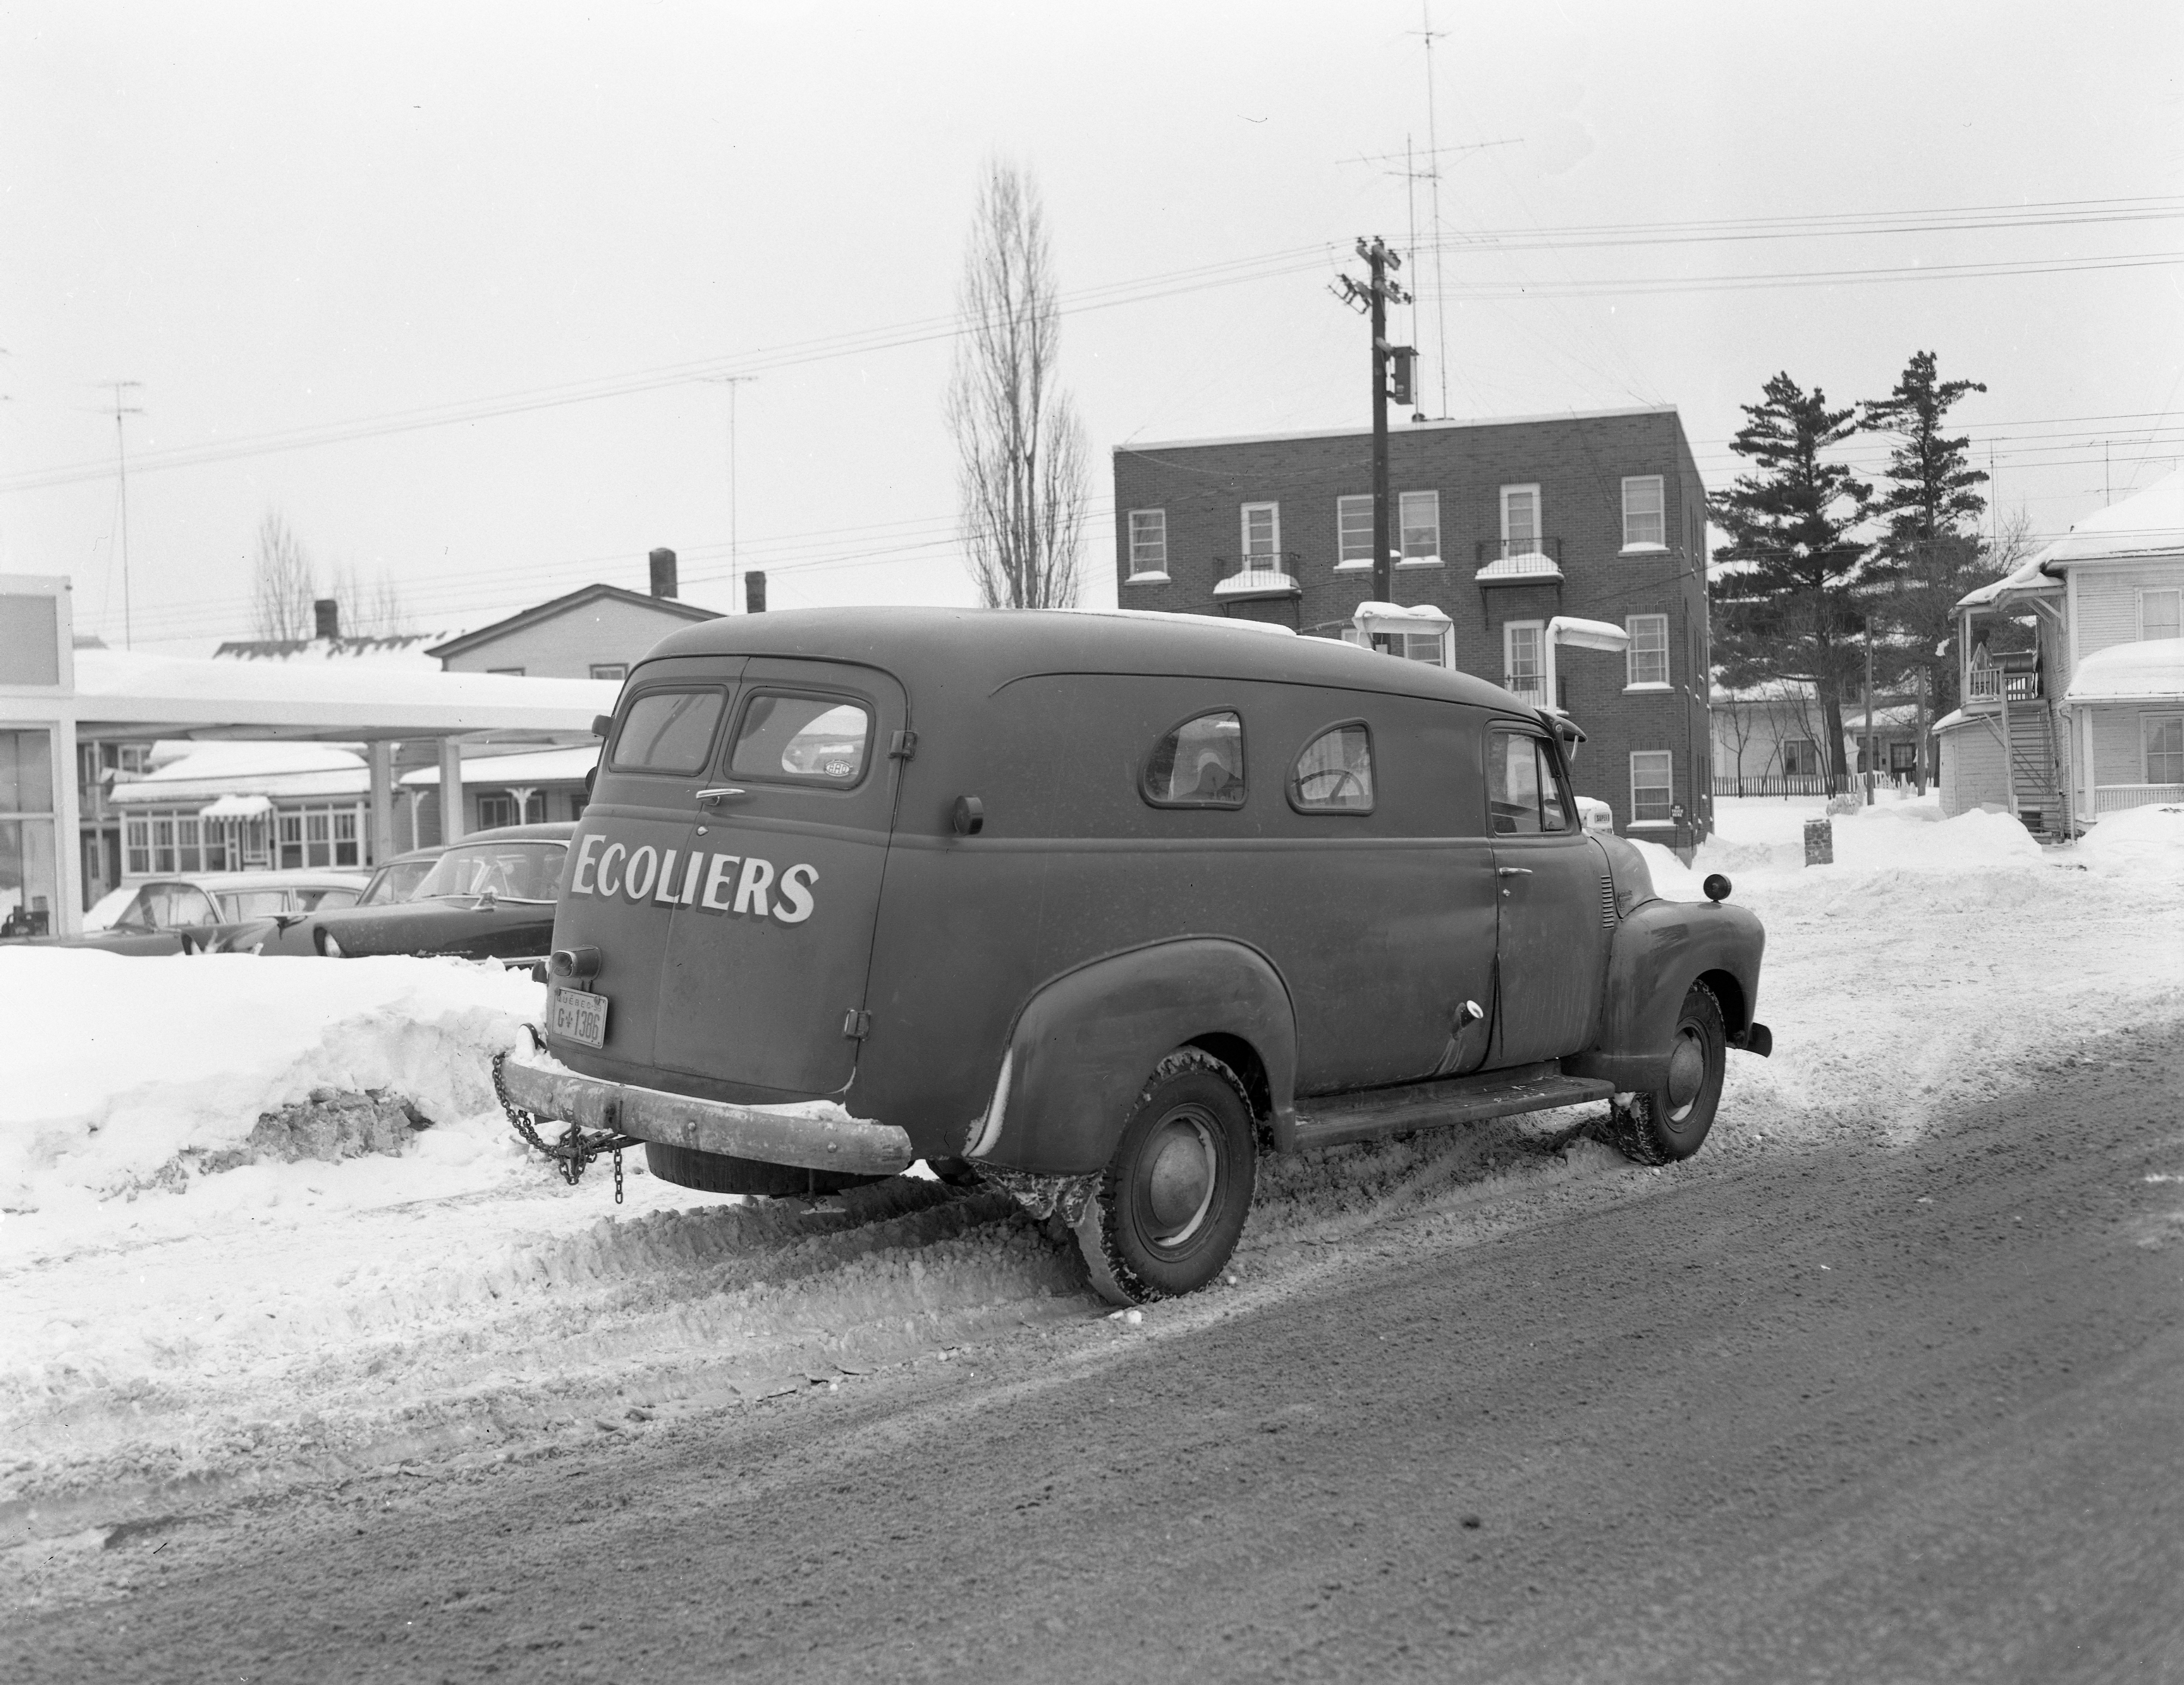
<point x="1512" y="871"/>
<point x="713" y="798"/>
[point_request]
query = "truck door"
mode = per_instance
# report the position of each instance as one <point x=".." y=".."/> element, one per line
<point x="778" y="887"/>
<point x="1551" y="943"/>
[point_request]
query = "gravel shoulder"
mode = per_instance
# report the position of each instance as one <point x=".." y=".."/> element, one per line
<point x="1906" y="1407"/>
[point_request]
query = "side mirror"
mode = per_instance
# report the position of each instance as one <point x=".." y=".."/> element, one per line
<point x="602" y="724"/>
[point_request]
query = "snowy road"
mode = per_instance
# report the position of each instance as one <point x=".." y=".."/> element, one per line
<point x="1839" y="1412"/>
<point x="179" y="1336"/>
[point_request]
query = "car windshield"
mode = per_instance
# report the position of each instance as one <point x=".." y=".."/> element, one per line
<point x="508" y="870"/>
<point x="106" y="911"/>
<point x="397" y="882"/>
<point x="160" y="907"/>
<point x="237" y="905"/>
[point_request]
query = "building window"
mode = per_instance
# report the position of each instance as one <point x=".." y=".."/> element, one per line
<point x="1646" y="661"/>
<point x="346" y="852"/>
<point x="1353" y="531"/>
<point x="1520" y="520"/>
<point x="1149" y="543"/>
<point x="1801" y="758"/>
<point x="2165" y="749"/>
<point x="1262" y="530"/>
<point x="30" y="880"/>
<point x="2159" y="612"/>
<point x="495" y="810"/>
<point x="1645" y="523"/>
<point x="138" y="847"/>
<point x="1653" y="791"/>
<point x="1421" y="523"/>
<point x="1520" y="660"/>
<point x="616" y="671"/>
<point x="507" y="673"/>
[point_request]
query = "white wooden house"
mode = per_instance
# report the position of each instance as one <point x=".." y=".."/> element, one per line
<point x="2091" y="719"/>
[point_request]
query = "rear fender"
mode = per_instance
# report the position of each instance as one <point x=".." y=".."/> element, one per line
<point x="1085" y="1042"/>
<point x="1659" y="950"/>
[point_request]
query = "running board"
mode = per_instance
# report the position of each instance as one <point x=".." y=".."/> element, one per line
<point x="1329" y="1121"/>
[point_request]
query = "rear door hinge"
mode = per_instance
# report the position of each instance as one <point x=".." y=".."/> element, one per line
<point x="856" y="1025"/>
<point x="902" y="746"/>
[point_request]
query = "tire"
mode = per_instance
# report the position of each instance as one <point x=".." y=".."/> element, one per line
<point x="1669" y="1122"/>
<point x="1172" y="1203"/>
<point x="719" y="1173"/>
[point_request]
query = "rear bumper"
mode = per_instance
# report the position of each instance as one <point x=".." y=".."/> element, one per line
<point x="804" y="1135"/>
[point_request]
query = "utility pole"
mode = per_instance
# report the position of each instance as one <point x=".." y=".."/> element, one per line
<point x="1373" y="299"/>
<point x="1871" y="740"/>
<point x="121" y="408"/>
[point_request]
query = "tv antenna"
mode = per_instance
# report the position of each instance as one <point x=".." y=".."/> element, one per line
<point x="730" y="382"/>
<point x="121" y="390"/>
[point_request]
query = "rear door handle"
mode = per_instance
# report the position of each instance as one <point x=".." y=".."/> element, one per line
<point x="713" y="798"/>
<point x="1511" y="871"/>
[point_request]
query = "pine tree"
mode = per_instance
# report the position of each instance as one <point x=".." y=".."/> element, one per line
<point x="1930" y="508"/>
<point x="1792" y="606"/>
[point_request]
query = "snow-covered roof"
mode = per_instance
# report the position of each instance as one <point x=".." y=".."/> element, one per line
<point x="406" y="650"/>
<point x="1258" y="581"/>
<point x="355" y="780"/>
<point x="186" y="759"/>
<point x="117" y="689"/>
<point x="2149" y="671"/>
<point x="2150" y="523"/>
<point x="1950" y="720"/>
<point x="543" y="767"/>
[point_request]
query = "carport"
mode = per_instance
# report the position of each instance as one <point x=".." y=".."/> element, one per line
<point x="116" y="695"/>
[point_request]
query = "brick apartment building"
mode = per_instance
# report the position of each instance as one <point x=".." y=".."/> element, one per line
<point x="1501" y="525"/>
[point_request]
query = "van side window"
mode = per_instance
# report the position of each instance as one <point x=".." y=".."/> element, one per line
<point x="1524" y="794"/>
<point x="1199" y="764"/>
<point x="668" y="731"/>
<point x="823" y="739"/>
<point x="1334" y="773"/>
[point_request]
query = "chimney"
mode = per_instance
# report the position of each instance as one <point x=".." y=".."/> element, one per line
<point x="754" y="592"/>
<point x="326" y="612"/>
<point x="663" y="573"/>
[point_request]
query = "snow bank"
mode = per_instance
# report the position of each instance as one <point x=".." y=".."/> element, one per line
<point x="2139" y="841"/>
<point x="116" y="1065"/>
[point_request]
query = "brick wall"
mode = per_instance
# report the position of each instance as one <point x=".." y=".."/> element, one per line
<point x="1578" y="462"/>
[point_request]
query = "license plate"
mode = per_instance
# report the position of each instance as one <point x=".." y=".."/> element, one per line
<point x="581" y="1016"/>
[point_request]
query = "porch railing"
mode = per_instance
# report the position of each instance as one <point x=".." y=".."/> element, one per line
<point x="1992" y="684"/>
<point x="1496" y="550"/>
<point x="1264" y="570"/>
<point x="1808" y="784"/>
<point x="2115" y="798"/>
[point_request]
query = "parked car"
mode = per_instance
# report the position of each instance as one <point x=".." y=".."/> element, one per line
<point x="1093" y="907"/>
<point x="291" y="932"/>
<point x="488" y="897"/>
<point x="195" y="911"/>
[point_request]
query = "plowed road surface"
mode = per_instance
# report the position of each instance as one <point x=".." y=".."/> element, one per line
<point x="1911" y="1412"/>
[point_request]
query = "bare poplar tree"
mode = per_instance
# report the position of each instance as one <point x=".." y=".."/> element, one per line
<point x="374" y="610"/>
<point x="280" y="586"/>
<point x="1022" y="474"/>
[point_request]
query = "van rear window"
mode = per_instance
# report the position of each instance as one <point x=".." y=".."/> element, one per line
<point x="1334" y="773"/>
<point x="1199" y="764"/>
<point x="668" y="731"/>
<point x="822" y="739"/>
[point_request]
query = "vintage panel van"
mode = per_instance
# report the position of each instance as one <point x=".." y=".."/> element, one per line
<point x="1096" y="907"/>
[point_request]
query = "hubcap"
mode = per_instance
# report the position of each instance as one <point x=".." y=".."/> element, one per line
<point x="1180" y="1181"/>
<point x="1687" y="1066"/>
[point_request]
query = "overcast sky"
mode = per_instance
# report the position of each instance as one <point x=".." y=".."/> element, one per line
<point x="310" y="221"/>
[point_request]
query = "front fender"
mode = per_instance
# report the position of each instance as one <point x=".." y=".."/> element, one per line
<point x="1084" y="1044"/>
<point x="1659" y="950"/>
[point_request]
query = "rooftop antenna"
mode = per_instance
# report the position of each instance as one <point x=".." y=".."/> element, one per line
<point x="122" y="407"/>
<point x="1433" y="143"/>
<point x="730" y="382"/>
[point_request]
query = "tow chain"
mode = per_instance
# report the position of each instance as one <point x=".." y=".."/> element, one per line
<point x="574" y="1152"/>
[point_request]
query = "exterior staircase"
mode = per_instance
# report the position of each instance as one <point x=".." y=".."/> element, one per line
<point x="2035" y="778"/>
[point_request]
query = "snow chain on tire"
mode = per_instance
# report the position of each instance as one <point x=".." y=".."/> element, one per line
<point x="574" y="1152"/>
<point x="1628" y="1131"/>
<point x="1113" y="1278"/>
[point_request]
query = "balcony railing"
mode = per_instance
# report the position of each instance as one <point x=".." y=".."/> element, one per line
<point x="1532" y="686"/>
<point x="1992" y="684"/>
<point x="1499" y="549"/>
<point x="1264" y="573"/>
